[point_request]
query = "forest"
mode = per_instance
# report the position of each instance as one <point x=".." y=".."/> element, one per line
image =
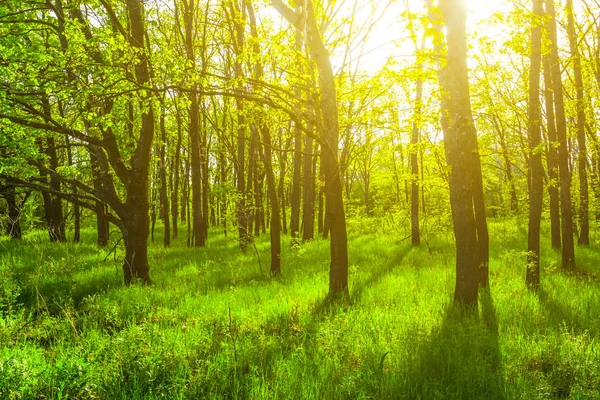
<point x="307" y="199"/>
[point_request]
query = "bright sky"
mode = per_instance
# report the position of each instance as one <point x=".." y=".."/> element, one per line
<point x="386" y="37"/>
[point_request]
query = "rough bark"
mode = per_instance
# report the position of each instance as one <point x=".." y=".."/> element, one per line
<point x="552" y="156"/>
<point x="194" y="115"/>
<point x="568" y="246"/>
<point x="584" y="223"/>
<point x="308" y="208"/>
<point x="460" y="139"/>
<point x="536" y="169"/>
<point x="164" y="197"/>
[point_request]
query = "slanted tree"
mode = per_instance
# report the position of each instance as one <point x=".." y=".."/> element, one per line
<point x="329" y="130"/>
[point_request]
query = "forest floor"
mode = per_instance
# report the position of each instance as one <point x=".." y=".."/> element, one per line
<point x="213" y="325"/>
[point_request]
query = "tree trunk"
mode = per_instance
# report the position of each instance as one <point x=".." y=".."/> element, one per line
<point x="536" y="169"/>
<point x="308" y="211"/>
<point x="176" y="170"/>
<point x="552" y="157"/>
<point x="460" y="139"/>
<point x="135" y="238"/>
<point x="194" y="114"/>
<point x="14" y="212"/>
<point x="76" y="209"/>
<point x="414" y="163"/>
<point x="164" y="197"/>
<point x="275" y="229"/>
<point x="584" y="223"/>
<point x="102" y="224"/>
<point x="282" y="172"/>
<point x="53" y="204"/>
<point x="336" y="217"/>
<point x="296" y="194"/>
<point x="568" y="246"/>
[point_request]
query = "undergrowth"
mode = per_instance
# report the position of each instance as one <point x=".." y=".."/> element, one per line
<point x="214" y="325"/>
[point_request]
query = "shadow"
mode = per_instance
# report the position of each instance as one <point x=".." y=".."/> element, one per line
<point x="562" y="372"/>
<point x="377" y="274"/>
<point x="461" y="358"/>
<point x="559" y="314"/>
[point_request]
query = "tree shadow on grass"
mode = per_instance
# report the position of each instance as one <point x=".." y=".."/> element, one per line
<point x="563" y="315"/>
<point x="378" y="273"/>
<point x="461" y="358"/>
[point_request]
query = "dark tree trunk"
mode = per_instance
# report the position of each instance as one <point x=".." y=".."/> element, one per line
<point x="414" y="163"/>
<point x="223" y="177"/>
<point x="584" y="223"/>
<point x="568" y="246"/>
<point x="336" y="217"/>
<point x="552" y="157"/>
<point x="514" y="202"/>
<point x="164" y="197"/>
<point x="194" y="114"/>
<point x="536" y="169"/>
<point x="282" y="172"/>
<point x="134" y="214"/>
<point x="240" y="173"/>
<point x="135" y="238"/>
<point x="308" y="210"/>
<point x="460" y="138"/>
<point x="76" y="209"/>
<point x="14" y="212"/>
<point x="296" y="194"/>
<point x="53" y="204"/>
<point x="275" y="229"/>
<point x="205" y="180"/>
<point x="185" y="187"/>
<point x="176" y="171"/>
<point x="102" y="224"/>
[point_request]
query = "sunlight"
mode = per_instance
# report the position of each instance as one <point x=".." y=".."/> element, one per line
<point x="388" y="38"/>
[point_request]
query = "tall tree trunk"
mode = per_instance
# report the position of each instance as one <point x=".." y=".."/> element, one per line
<point x="584" y="223"/>
<point x="14" y="212"/>
<point x="223" y="178"/>
<point x="164" y="197"/>
<point x="536" y="169"/>
<point x="76" y="209"/>
<point x="197" y="226"/>
<point x="297" y="164"/>
<point x="308" y="211"/>
<point x="205" y="175"/>
<point x="53" y="204"/>
<point x="282" y="173"/>
<point x="552" y="157"/>
<point x="460" y="138"/>
<point x="135" y="209"/>
<point x="336" y="217"/>
<point x="568" y="246"/>
<point x="414" y="162"/>
<point x="176" y="170"/>
<point x="102" y="224"/>
<point x="240" y="170"/>
<point x="296" y="194"/>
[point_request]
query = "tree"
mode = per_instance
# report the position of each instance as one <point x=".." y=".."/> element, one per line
<point x="536" y="169"/>
<point x="584" y="229"/>
<point x="568" y="247"/>
<point x="460" y="140"/>
<point x="329" y="134"/>
<point x="35" y="108"/>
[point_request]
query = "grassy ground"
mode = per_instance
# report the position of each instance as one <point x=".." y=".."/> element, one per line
<point x="214" y="326"/>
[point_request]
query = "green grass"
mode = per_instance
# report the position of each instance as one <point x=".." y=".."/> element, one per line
<point x="213" y="326"/>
